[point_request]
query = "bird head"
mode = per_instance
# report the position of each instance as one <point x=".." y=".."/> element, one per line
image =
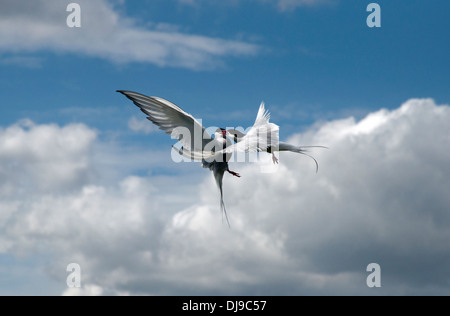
<point x="221" y="133"/>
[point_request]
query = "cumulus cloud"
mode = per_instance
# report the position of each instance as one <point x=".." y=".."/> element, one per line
<point x="44" y="157"/>
<point x="381" y="196"/>
<point x="87" y="290"/>
<point x="27" y="27"/>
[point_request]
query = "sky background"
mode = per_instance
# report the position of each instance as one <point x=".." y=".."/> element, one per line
<point x="85" y="178"/>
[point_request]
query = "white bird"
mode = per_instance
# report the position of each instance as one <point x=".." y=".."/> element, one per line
<point x="282" y="146"/>
<point x="214" y="153"/>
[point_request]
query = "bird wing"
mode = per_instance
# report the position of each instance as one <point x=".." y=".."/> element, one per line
<point x="193" y="155"/>
<point x="172" y="120"/>
<point x="262" y="119"/>
<point x="263" y="115"/>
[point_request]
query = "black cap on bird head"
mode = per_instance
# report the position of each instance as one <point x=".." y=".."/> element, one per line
<point x="222" y="131"/>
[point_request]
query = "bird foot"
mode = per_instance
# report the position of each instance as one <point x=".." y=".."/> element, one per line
<point x="234" y="173"/>
<point x="274" y="159"/>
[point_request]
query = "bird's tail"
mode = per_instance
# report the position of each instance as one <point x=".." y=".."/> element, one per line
<point x="218" y="175"/>
<point x="300" y="150"/>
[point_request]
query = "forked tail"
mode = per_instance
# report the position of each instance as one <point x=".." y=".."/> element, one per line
<point x="300" y="150"/>
<point x="218" y="175"/>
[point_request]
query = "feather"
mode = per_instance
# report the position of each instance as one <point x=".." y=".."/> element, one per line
<point x="218" y="175"/>
<point x="300" y="150"/>
<point x="172" y="120"/>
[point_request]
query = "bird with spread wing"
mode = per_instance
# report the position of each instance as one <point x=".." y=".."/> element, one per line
<point x="198" y="144"/>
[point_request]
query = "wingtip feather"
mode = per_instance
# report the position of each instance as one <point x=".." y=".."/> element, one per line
<point x="263" y="114"/>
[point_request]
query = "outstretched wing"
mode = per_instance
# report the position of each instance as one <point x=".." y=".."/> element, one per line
<point x="172" y="120"/>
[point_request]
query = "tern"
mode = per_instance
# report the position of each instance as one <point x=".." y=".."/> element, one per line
<point x="238" y="136"/>
<point x="213" y="152"/>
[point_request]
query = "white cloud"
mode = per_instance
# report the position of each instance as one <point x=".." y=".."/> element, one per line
<point x="141" y="125"/>
<point x="41" y="26"/>
<point x="44" y="157"/>
<point x="87" y="290"/>
<point x="381" y="196"/>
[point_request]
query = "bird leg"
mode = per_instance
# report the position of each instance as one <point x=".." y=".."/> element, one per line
<point x="234" y="173"/>
<point x="274" y="158"/>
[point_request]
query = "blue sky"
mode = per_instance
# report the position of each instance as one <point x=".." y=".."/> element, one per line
<point x="80" y="183"/>
<point x="320" y="59"/>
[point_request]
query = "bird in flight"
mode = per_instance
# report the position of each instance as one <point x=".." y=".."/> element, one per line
<point x="213" y="152"/>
